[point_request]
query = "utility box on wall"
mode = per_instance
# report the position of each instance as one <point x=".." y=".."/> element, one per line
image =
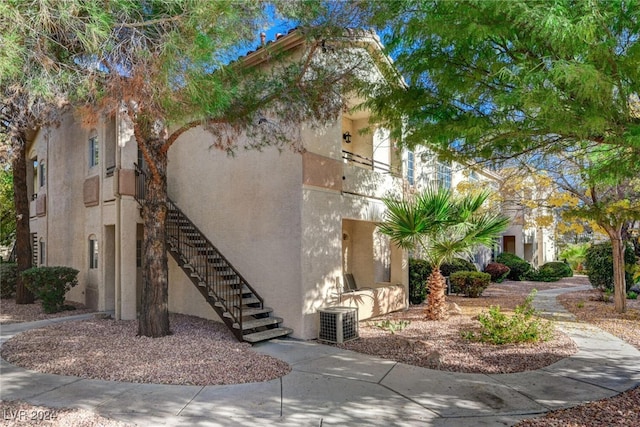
<point x="338" y="324"/>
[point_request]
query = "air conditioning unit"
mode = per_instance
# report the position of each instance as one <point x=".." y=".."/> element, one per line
<point x="338" y="324"/>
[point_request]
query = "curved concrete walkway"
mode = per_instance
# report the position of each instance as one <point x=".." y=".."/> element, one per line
<point x="329" y="386"/>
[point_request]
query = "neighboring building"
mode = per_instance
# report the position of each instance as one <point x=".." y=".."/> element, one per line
<point x="291" y="224"/>
<point x="533" y="228"/>
<point x="423" y="169"/>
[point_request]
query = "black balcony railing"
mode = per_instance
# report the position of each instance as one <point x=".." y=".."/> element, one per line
<point x="368" y="163"/>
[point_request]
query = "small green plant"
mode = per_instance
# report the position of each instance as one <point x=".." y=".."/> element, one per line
<point x="607" y="295"/>
<point x="580" y="304"/>
<point x="392" y="326"/>
<point x="470" y="283"/>
<point x="50" y="284"/>
<point x="8" y="276"/>
<point x="632" y="295"/>
<point x="500" y="328"/>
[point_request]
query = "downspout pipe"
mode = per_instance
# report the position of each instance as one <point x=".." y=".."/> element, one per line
<point x="118" y="225"/>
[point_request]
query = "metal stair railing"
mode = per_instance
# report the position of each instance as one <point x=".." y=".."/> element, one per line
<point x="224" y="285"/>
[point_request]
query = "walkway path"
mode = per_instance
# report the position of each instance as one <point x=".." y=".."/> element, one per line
<point x="330" y="386"/>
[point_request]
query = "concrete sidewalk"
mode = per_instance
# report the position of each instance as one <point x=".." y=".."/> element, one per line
<point x="329" y="386"/>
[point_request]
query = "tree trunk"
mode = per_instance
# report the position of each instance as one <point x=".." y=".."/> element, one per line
<point x="437" y="304"/>
<point x="23" y="233"/>
<point x="619" y="283"/>
<point x="154" y="310"/>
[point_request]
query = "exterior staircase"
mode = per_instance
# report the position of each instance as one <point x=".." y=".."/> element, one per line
<point x="223" y="287"/>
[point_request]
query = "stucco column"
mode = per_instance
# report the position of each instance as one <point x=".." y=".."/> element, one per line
<point x="128" y="281"/>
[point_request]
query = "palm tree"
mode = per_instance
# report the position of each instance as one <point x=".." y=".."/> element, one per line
<point x="443" y="226"/>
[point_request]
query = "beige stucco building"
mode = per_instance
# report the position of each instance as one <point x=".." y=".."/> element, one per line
<point x="293" y="223"/>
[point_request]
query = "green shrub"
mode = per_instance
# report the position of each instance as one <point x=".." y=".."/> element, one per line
<point x="50" y="284"/>
<point x="517" y="266"/>
<point x="574" y="254"/>
<point x="599" y="264"/>
<point x="555" y="268"/>
<point x="522" y="326"/>
<point x="457" y="264"/>
<point x="469" y="283"/>
<point x="541" y="276"/>
<point x="419" y="271"/>
<point x="497" y="271"/>
<point x="632" y="295"/>
<point x="8" y="277"/>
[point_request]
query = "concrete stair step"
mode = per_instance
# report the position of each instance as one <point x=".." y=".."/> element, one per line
<point x="256" y="323"/>
<point x="252" y="311"/>
<point x="267" y="335"/>
<point x="250" y="300"/>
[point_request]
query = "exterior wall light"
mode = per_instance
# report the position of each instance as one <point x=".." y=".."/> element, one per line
<point x="347" y="137"/>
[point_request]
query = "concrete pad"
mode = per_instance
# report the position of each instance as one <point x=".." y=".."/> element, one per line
<point x="338" y="401"/>
<point x="553" y="391"/>
<point x="151" y="399"/>
<point x="240" y="400"/>
<point x="483" y="421"/>
<point x="609" y="374"/>
<point x="19" y="383"/>
<point x="595" y="343"/>
<point x="293" y="351"/>
<point x="349" y="364"/>
<point x="85" y="394"/>
<point x="457" y="395"/>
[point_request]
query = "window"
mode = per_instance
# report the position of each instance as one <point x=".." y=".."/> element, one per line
<point x="42" y="174"/>
<point x="443" y="174"/>
<point x="410" y="167"/>
<point x="35" y="181"/>
<point x="93" y="252"/>
<point x="43" y="251"/>
<point x="94" y="149"/>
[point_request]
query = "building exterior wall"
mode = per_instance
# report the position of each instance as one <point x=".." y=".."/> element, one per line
<point x="81" y="203"/>
<point x="249" y="206"/>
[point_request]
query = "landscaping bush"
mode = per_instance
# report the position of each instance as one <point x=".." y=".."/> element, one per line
<point x="497" y="271"/>
<point x="469" y="283"/>
<point x="8" y="276"/>
<point x="50" y="284"/>
<point x="523" y="326"/>
<point x="419" y="271"/>
<point x="555" y="268"/>
<point x="457" y="264"/>
<point x="599" y="264"/>
<point x="541" y="276"/>
<point x="517" y="266"/>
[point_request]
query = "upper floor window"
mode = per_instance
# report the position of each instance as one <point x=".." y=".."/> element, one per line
<point x="94" y="149"/>
<point x="42" y="174"/>
<point x="410" y="167"/>
<point x="443" y="174"/>
<point x="93" y="252"/>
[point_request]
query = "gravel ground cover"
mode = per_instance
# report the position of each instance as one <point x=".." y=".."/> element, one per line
<point x="110" y="350"/>
<point x="439" y="345"/>
<point x="10" y="312"/>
